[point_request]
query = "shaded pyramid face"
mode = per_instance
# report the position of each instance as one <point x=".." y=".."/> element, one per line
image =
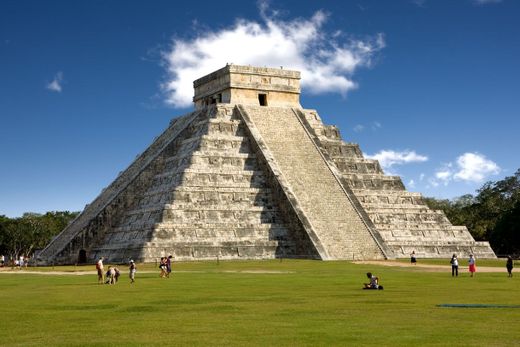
<point x="201" y="194"/>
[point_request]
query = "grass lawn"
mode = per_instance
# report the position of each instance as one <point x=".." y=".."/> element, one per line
<point x="293" y="302"/>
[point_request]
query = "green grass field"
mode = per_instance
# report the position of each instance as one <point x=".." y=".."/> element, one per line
<point x="267" y="303"/>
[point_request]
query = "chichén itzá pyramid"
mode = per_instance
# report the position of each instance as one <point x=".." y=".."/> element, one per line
<point x="250" y="174"/>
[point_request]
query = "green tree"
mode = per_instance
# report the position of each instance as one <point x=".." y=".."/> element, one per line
<point x="21" y="236"/>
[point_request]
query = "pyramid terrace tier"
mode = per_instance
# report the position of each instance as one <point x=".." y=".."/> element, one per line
<point x="208" y="196"/>
<point x="442" y="249"/>
<point x="374" y="182"/>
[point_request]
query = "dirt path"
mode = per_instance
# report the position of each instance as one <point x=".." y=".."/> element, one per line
<point x="428" y="267"/>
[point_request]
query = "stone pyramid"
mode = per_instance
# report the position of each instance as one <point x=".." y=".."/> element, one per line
<point x="250" y="174"/>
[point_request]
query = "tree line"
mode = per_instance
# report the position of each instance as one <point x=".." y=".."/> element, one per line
<point x="492" y="215"/>
<point x="23" y="235"/>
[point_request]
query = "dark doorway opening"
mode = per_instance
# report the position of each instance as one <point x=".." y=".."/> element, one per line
<point x="262" y="99"/>
<point x="82" y="257"/>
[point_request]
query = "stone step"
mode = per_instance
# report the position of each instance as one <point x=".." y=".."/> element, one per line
<point x="334" y="223"/>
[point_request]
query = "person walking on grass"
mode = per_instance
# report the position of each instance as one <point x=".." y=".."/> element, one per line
<point x="454" y="266"/>
<point x="509" y="266"/>
<point x="132" y="270"/>
<point x="162" y="266"/>
<point x="472" y="265"/>
<point x="169" y="266"/>
<point x="100" y="272"/>
<point x="413" y="258"/>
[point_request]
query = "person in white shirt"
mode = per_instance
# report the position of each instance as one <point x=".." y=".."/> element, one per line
<point x="99" y="268"/>
<point x="454" y="266"/>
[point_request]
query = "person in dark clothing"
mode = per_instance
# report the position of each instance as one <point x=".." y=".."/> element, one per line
<point x="454" y="266"/>
<point x="509" y="266"/>
<point x="169" y="266"/>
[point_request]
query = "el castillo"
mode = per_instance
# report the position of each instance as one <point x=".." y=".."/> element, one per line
<point x="251" y="174"/>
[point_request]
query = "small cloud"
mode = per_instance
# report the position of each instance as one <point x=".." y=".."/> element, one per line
<point x="376" y="125"/>
<point x="485" y="2"/>
<point x="419" y="3"/>
<point x="470" y="167"/>
<point x="432" y="183"/>
<point x="359" y="128"/>
<point x="444" y="174"/>
<point x="421" y="177"/>
<point x="411" y="184"/>
<point x="389" y="158"/>
<point x="475" y="167"/>
<point x="56" y="84"/>
<point x="327" y="59"/>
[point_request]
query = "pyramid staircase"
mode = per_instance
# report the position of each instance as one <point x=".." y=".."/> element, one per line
<point x="402" y="218"/>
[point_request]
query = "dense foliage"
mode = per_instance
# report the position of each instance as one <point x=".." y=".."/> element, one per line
<point x="493" y="214"/>
<point x="21" y="236"/>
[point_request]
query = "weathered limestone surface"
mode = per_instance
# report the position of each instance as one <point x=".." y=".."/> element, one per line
<point x="337" y="229"/>
<point x="205" y="195"/>
<point x="252" y="175"/>
<point x="402" y="219"/>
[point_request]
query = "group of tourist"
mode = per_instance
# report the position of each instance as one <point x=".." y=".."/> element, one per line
<point x="166" y="266"/>
<point x="20" y="262"/>
<point x="112" y="275"/>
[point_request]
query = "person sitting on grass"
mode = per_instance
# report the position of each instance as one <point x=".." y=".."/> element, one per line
<point x="374" y="282"/>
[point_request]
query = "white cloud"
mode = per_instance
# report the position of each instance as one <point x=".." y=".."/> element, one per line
<point x="419" y="3"/>
<point x="326" y="60"/>
<point x="389" y="158"/>
<point x="421" y="177"/>
<point x="470" y="167"/>
<point x="359" y="128"/>
<point x="475" y="167"/>
<point x="444" y="175"/>
<point x="376" y="125"/>
<point x="411" y="184"/>
<point x="486" y="2"/>
<point x="56" y="84"/>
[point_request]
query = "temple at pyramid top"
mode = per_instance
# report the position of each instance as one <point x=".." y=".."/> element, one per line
<point x="248" y="85"/>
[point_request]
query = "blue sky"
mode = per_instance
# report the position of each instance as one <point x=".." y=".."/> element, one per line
<point x="429" y="87"/>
